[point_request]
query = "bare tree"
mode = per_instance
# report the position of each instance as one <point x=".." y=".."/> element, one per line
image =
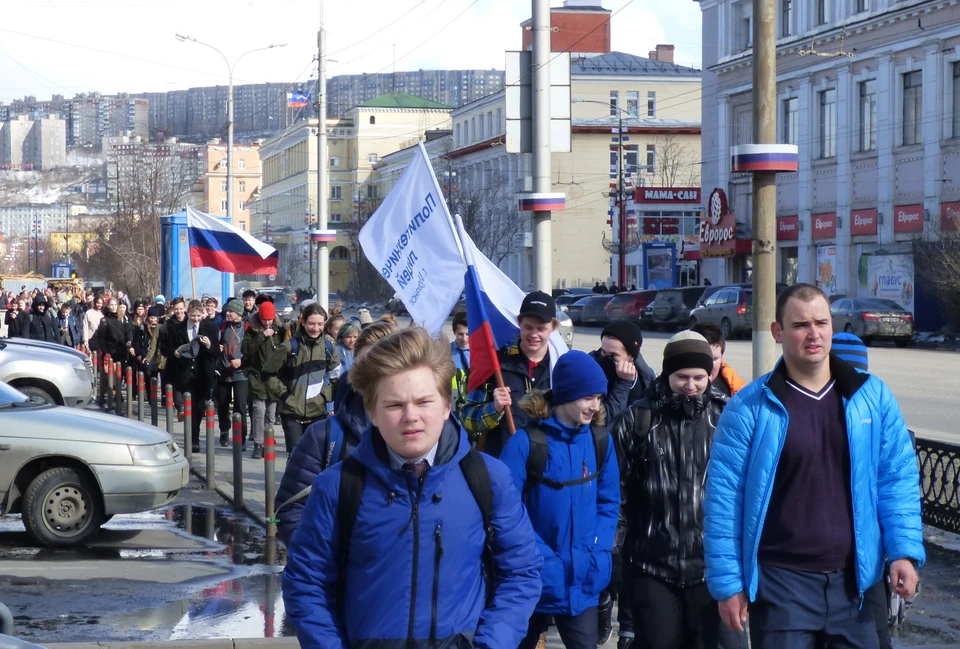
<point x="152" y="182"/>
<point x="489" y="213"/>
<point x="366" y="282"/>
<point x="677" y="164"/>
<point x="937" y="266"/>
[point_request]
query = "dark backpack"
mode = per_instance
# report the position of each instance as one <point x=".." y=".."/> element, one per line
<point x="335" y="445"/>
<point x="537" y="460"/>
<point x="475" y="472"/>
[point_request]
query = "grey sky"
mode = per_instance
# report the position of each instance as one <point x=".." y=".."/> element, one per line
<point x="72" y="46"/>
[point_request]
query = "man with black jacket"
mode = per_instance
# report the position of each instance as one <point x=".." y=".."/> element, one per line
<point x="664" y="442"/>
<point x="232" y="384"/>
<point x="172" y="335"/>
<point x="37" y="323"/>
<point x="197" y="354"/>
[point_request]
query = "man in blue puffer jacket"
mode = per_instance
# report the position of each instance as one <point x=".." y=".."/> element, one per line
<point x="392" y="586"/>
<point x="812" y="481"/>
<point x="573" y="503"/>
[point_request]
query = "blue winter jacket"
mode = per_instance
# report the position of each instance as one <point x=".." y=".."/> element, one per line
<point x="309" y="457"/>
<point x="399" y="549"/>
<point x="884" y="478"/>
<point x="575" y="525"/>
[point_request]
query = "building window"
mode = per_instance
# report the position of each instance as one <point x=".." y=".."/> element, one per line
<point x="243" y="226"/>
<point x="651" y="103"/>
<point x="823" y="12"/>
<point x="956" y="100"/>
<point x="651" y="159"/>
<point x="786" y="18"/>
<point x="223" y="185"/>
<point x="372" y="192"/>
<point x="614" y="103"/>
<point x="868" y="115"/>
<point x="631" y="159"/>
<point x="456" y="137"/>
<point x="789" y="126"/>
<point x="828" y="123"/>
<point x="373" y="120"/>
<point x="372" y="158"/>
<point x="490" y="122"/>
<point x="336" y="193"/>
<point x="241" y="164"/>
<point x="912" y="107"/>
<point x="862" y="6"/>
<point x="242" y="186"/>
<point x="223" y="206"/>
<point x="473" y="129"/>
<point x="633" y="103"/>
<point x="499" y="120"/>
<point x="336" y="218"/>
<point x="240" y="205"/>
<point x="481" y="126"/>
<point x="744" y="26"/>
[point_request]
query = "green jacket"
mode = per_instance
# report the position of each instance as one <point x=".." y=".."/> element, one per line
<point x="258" y="352"/>
<point x="307" y="373"/>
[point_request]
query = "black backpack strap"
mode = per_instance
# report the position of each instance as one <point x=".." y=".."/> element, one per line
<point x="601" y="442"/>
<point x="537" y="460"/>
<point x="352" y="476"/>
<point x="475" y="472"/>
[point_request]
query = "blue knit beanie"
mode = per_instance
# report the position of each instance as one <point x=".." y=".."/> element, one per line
<point x="850" y="349"/>
<point x="576" y="375"/>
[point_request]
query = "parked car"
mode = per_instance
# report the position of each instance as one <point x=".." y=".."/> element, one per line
<point x="873" y="319"/>
<point x="730" y="309"/>
<point x="282" y="303"/>
<point x="575" y="309"/>
<point x="672" y="306"/>
<point x="395" y="306"/>
<point x="646" y="317"/>
<point x="334" y="301"/>
<point x="710" y="290"/>
<point x="566" y="328"/>
<point x="629" y="305"/>
<point x="67" y="471"/>
<point x="594" y="312"/>
<point x="564" y="301"/>
<point x="48" y="372"/>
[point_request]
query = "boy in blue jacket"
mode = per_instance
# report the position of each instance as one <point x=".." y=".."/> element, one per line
<point x="389" y="583"/>
<point x="572" y="494"/>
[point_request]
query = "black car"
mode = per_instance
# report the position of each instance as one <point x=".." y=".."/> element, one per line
<point x="595" y="310"/>
<point x="672" y="306"/>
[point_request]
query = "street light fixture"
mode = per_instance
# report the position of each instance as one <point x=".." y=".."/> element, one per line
<point x="230" y="67"/>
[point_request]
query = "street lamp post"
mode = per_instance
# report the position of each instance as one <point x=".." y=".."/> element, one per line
<point x="230" y="68"/>
<point x="621" y="198"/>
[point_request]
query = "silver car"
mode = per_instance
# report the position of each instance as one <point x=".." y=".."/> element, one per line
<point x="67" y="471"/>
<point x="565" y="328"/>
<point x="46" y="371"/>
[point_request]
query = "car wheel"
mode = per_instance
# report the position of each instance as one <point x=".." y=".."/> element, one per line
<point x="901" y="342"/>
<point x="726" y="329"/>
<point x="37" y="393"/>
<point x="848" y="329"/>
<point x="62" y="508"/>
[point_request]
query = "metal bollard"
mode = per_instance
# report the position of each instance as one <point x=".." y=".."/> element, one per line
<point x="211" y="441"/>
<point x="157" y="392"/>
<point x="170" y="411"/>
<point x="129" y="394"/>
<point x="237" y="461"/>
<point x="188" y="426"/>
<point x="95" y="364"/>
<point x="118" y="385"/>
<point x="141" y="389"/>
<point x="110" y="387"/>
<point x="269" y="479"/>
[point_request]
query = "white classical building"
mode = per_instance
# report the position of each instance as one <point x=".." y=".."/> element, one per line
<point x="869" y="90"/>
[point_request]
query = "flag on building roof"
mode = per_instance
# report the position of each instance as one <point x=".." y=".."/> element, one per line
<point x="297" y="99"/>
<point x="216" y="244"/>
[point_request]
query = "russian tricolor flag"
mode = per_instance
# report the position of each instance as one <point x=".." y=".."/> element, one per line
<point x="492" y="324"/>
<point x="217" y="244"/>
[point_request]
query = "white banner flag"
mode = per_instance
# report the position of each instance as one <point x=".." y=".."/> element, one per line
<point x="410" y="240"/>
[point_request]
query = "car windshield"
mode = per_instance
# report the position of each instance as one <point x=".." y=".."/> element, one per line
<point x="623" y="298"/>
<point x="280" y="299"/>
<point x="10" y="395"/>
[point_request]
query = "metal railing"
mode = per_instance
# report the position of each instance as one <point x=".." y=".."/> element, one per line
<point x="940" y="484"/>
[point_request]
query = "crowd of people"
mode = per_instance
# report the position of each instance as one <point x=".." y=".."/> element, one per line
<point x="702" y="504"/>
<point x="416" y="511"/>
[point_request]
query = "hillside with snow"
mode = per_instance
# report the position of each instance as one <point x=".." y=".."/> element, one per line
<point x="49" y="186"/>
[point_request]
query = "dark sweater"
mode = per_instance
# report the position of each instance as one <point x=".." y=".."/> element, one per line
<point x="809" y="523"/>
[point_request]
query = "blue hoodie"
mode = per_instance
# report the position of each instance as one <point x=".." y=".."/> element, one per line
<point x="397" y="552"/>
<point x="575" y="525"/>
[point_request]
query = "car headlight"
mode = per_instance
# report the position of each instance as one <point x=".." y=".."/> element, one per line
<point x="82" y="373"/>
<point x="148" y="455"/>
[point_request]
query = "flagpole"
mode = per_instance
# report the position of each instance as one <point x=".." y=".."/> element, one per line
<point x="193" y="281"/>
<point x="497" y="375"/>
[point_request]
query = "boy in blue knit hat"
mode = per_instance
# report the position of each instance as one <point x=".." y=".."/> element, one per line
<point x="564" y="464"/>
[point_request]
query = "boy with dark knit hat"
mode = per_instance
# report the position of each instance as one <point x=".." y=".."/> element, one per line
<point x="619" y="356"/>
<point x="572" y="497"/>
<point x="232" y="382"/>
<point x="664" y="444"/>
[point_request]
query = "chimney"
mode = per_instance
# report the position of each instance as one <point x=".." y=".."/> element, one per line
<point x="663" y="53"/>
